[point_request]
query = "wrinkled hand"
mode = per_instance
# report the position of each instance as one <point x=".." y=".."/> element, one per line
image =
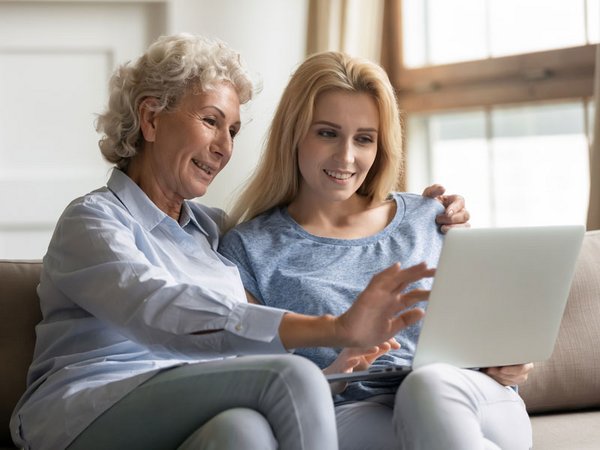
<point x="455" y="214"/>
<point x="379" y="312"/>
<point x="510" y="375"/>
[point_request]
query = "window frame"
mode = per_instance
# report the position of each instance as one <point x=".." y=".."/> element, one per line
<point x="557" y="74"/>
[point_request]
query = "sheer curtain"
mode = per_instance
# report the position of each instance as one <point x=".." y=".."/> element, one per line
<point x="351" y="26"/>
<point x="593" y="219"/>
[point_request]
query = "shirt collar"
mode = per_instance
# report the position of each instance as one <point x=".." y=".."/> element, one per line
<point x="188" y="216"/>
<point x="141" y="207"/>
<point x="135" y="200"/>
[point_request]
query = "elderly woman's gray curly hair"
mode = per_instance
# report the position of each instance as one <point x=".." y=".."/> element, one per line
<point x="169" y="68"/>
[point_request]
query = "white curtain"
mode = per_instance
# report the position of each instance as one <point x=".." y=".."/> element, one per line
<point x="593" y="219"/>
<point x="351" y="26"/>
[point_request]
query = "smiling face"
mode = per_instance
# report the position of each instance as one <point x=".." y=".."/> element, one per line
<point x="187" y="147"/>
<point x="340" y="147"/>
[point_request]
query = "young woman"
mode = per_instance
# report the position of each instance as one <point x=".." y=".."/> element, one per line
<point x="319" y="218"/>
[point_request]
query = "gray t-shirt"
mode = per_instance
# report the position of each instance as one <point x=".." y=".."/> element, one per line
<point x="286" y="267"/>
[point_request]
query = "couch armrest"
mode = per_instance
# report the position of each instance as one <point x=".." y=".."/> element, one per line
<point x="19" y="313"/>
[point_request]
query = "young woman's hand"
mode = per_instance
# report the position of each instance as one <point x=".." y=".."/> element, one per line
<point x="357" y="358"/>
<point x="455" y="214"/>
<point x="510" y="375"/>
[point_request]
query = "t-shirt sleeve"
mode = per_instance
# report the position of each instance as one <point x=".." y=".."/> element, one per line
<point x="233" y="248"/>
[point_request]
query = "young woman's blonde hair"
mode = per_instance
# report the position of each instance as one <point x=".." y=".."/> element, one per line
<point x="276" y="180"/>
<point x="171" y="67"/>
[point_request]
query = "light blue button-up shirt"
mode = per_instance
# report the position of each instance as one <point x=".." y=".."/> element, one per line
<point x="126" y="291"/>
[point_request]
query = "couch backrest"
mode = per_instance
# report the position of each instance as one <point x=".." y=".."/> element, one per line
<point x="570" y="379"/>
<point x="19" y="313"/>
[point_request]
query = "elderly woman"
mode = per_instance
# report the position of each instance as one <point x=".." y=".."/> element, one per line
<point x="142" y="318"/>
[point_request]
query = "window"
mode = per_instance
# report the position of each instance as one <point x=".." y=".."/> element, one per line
<point x="441" y="31"/>
<point x="496" y="95"/>
<point x="516" y="165"/>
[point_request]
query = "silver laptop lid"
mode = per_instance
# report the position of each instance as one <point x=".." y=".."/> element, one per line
<point x="498" y="295"/>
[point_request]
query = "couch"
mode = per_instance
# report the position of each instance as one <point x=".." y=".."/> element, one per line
<point x="562" y="394"/>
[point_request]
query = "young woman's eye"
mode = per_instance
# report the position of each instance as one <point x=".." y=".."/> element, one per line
<point x="327" y="133"/>
<point x="366" y="139"/>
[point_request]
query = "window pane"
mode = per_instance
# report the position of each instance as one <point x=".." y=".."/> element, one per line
<point x="540" y="162"/>
<point x="460" y="159"/>
<point x="457" y="30"/>
<point x="522" y="26"/>
<point x="443" y="31"/>
<point x="515" y="166"/>
<point x="414" y="28"/>
<point x="457" y="151"/>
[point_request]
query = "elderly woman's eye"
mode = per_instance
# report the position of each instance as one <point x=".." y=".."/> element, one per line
<point x="210" y="120"/>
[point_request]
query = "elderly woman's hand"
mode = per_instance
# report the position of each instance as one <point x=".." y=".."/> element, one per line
<point x="510" y="375"/>
<point x="377" y="314"/>
<point x="455" y="214"/>
<point x="383" y="308"/>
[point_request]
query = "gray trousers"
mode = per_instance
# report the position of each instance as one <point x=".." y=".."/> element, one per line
<point x="252" y="402"/>
<point x="438" y="407"/>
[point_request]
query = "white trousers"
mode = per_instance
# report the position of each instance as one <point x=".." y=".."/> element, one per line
<point x="250" y="403"/>
<point x="438" y="407"/>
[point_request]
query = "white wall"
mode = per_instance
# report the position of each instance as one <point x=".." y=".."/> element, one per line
<point x="48" y="150"/>
<point x="271" y="37"/>
<point x="55" y="60"/>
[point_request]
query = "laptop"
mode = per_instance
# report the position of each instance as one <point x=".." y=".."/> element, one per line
<point x="497" y="299"/>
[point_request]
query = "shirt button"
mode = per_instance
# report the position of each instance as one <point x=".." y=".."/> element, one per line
<point x="238" y="327"/>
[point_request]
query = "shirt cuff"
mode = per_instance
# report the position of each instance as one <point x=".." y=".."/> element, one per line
<point x="255" y="328"/>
